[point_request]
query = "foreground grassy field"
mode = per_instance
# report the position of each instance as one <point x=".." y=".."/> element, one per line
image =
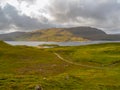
<point x="92" y="67"/>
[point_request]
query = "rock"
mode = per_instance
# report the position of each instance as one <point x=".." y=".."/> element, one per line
<point x="38" y="87"/>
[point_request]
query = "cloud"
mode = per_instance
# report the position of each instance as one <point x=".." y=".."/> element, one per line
<point x="29" y="15"/>
<point x="28" y="1"/>
<point x="12" y="19"/>
<point x="4" y="22"/>
<point x="98" y="13"/>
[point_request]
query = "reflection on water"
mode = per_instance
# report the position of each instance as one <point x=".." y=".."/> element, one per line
<point x="34" y="43"/>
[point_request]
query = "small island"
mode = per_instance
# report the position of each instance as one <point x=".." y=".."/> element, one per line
<point x="48" y="46"/>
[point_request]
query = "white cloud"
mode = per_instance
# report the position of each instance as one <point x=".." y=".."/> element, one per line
<point x="34" y="9"/>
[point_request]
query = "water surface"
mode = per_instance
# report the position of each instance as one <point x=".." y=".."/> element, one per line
<point x="35" y="43"/>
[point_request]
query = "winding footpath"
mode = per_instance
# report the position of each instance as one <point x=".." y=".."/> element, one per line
<point x="88" y="66"/>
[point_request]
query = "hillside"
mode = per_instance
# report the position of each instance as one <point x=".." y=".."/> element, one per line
<point x="61" y="34"/>
<point x="54" y="34"/>
<point x="91" y="67"/>
<point x="11" y="36"/>
<point x="57" y="34"/>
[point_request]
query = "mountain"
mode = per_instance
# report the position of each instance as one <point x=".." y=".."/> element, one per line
<point x="11" y="36"/>
<point x="61" y="34"/>
<point x="54" y="34"/>
<point x="112" y="37"/>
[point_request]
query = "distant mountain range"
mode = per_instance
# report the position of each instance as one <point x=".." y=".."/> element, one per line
<point x="61" y="34"/>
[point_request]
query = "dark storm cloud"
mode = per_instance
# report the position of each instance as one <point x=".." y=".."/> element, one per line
<point x="4" y="22"/>
<point x="9" y="16"/>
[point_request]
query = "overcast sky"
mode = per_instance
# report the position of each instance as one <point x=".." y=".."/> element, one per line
<point x="27" y="15"/>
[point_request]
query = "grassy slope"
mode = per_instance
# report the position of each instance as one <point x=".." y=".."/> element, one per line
<point x="21" y="67"/>
<point x="102" y="54"/>
<point x="57" y="35"/>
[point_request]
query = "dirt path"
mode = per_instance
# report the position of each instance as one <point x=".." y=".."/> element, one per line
<point x="88" y="66"/>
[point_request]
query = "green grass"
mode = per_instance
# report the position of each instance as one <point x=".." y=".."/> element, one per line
<point x="102" y="54"/>
<point x="22" y="67"/>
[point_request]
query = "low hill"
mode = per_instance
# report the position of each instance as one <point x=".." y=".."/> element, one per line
<point x="112" y="37"/>
<point x="61" y="34"/>
<point x="68" y="34"/>
<point x="87" y="32"/>
<point x="54" y="34"/>
<point x="91" y="67"/>
<point x="11" y="36"/>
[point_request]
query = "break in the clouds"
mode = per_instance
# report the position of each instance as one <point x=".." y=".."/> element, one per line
<point x="26" y="15"/>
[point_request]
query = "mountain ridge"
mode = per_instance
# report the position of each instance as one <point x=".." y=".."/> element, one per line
<point x="61" y="34"/>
